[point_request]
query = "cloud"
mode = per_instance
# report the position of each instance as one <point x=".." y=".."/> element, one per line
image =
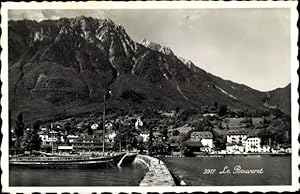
<point x="44" y="14"/>
<point x="26" y="14"/>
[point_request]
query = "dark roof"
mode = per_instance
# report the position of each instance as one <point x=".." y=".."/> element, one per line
<point x="193" y="144"/>
<point x="252" y="136"/>
<point x="231" y="144"/>
<point x="237" y="132"/>
<point x="203" y="134"/>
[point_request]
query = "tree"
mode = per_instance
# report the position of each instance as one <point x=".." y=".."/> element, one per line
<point x="247" y="122"/>
<point x="264" y="135"/>
<point x="223" y="110"/>
<point x="90" y="131"/>
<point x="216" y="105"/>
<point x="220" y="126"/>
<point x="31" y="141"/>
<point x="150" y="125"/>
<point x="185" y="136"/>
<point x="164" y="134"/>
<point x="67" y="127"/>
<point x="175" y="133"/>
<point x="36" y="125"/>
<point x="118" y="141"/>
<point x="140" y="143"/>
<point x="19" y="129"/>
<point x="203" y="125"/>
<point x="251" y="122"/>
<point x="126" y="137"/>
<point x="276" y="112"/>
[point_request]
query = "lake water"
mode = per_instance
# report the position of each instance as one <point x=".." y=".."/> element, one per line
<point x="276" y="170"/>
<point x="124" y="176"/>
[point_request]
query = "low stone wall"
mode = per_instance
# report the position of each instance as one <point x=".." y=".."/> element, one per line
<point x="158" y="174"/>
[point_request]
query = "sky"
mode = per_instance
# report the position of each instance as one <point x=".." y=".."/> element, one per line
<point x="247" y="46"/>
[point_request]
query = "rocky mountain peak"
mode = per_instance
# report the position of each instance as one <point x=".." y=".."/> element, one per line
<point x="187" y="62"/>
<point x="71" y="63"/>
<point x="156" y="47"/>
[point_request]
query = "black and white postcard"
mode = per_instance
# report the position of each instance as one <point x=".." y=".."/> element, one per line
<point x="149" y="96"/>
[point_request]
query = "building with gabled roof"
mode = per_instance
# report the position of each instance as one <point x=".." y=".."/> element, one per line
<point x="205" y="137"/>
<point x="201" y="135"/>
<point x="139" y="123"/>
<point x="237" y="132"/>
<point x="236" y="141"/>
<point x="235" y="148"/>
<point x="237" y="136"/>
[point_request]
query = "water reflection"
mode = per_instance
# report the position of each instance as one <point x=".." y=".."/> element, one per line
<point x="125" y="176"/>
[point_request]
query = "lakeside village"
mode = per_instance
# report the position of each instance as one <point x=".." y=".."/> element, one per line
<point x="211" y="131"/>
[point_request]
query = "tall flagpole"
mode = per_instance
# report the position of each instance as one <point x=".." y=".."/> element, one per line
<point x="103" y="143"/>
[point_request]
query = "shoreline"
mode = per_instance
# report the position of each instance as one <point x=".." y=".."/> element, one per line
<point x="231" y="155"/>
<point x="158" y="173"/>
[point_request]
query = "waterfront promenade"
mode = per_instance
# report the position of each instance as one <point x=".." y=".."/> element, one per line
<point x="158" y="173"/>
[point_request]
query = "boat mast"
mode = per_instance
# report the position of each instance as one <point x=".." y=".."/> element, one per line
<point x="103" y="139"/>
<point x="51" y="131"/>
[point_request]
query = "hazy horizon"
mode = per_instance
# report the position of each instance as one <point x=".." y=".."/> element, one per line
<point x="247" y="46"/>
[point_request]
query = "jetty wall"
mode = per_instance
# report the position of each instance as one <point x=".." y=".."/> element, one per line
<point x="158" y="173"/>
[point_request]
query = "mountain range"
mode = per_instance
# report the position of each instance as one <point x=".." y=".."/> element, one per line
<point x="60" y="68"/>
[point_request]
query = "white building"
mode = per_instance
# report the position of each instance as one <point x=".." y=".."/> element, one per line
<point x="236" y="141"/>
<point x="49" y="138"/>
<point x="108" y="126"/>
<point x="94" y="126"/>
<point x="288" y="150"/>
<point x="65" y="148"/>
<point x="72" y="138"/>
<point x="205" y="149"/>
<point x="44" y="129"/>
<point x="237" y="137"/>
<point x="253" y="145"/>
<point x="210" y="114"/>
<point x="145" y="136"/>
<point x="110" y="136"/>
<point x="205" y="137"/>
<point x="235" y="148"/>
<point x="138" y="123"/>
<point x="265" y="149"/>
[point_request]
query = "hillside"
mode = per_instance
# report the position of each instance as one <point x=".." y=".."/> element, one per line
<point x="278" y="98"/>
<point x="61" y="68"/>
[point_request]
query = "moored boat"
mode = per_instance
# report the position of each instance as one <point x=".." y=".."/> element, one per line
<point x="128" y="159"/>
<point x="67" y="161"/>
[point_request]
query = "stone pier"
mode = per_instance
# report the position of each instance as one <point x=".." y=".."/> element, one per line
<point x="158" y="174"/>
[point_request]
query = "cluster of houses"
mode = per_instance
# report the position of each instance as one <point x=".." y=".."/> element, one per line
<point x="80" y="142"/>
<point x="62" y="142"/>
<point x="237" y="142"/>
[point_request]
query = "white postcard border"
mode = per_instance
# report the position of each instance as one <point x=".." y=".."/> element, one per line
<point x="149" y="5"/>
